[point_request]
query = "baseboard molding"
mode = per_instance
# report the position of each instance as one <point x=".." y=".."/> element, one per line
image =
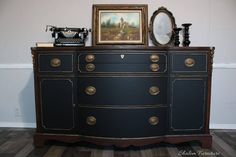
<point x="30" y="66"/>
<point x="17" y="125"/>
<point x="33" y="125"/>
<point x="222" y="126"/>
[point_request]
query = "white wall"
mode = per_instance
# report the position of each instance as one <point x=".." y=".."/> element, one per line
<point x="22" y="23"/>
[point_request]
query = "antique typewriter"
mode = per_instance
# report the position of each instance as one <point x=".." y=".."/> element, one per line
<point x="65" y="36"/>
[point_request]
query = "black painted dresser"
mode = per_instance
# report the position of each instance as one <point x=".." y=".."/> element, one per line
<point x="124" y="95"/>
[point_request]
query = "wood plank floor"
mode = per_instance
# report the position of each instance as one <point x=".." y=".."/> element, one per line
<point x="15" y="142"/>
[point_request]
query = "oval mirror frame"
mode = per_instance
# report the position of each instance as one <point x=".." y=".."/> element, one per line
<point x="156" y="34"/>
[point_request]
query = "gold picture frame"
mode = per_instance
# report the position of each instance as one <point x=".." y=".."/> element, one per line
<point x="118" y="24"/>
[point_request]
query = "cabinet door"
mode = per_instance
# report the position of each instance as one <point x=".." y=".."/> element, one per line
<point x="188" y="101"/>
<point x="57" y="104"/>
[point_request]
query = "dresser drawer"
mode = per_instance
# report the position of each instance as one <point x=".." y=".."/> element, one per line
<point x="196" y="62"/>
<point x="122" y="68"/>
<point x="122" y="123"/>
<point x="55" y="62"/>
<point x="122" y="90"/>
<point x="122" y="62"/>
<point x="122" y="58"/>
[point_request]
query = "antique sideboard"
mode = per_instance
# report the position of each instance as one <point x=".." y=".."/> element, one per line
<point x="123" y="95"/>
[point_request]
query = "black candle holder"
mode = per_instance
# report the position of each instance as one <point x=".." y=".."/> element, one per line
<point x="186" y="41"/>
<point x="176" y="36"/>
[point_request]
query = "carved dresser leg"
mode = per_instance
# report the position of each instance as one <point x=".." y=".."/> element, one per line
<point x="206" y="142"/>
<point x="39" y="141"/>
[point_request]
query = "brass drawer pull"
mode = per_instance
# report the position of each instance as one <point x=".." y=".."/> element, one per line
<point x="55" y="62"/>
<point x="90" y="90"/>
<point x="189" y="62"/>
<point x="153" y="120"/>
<point x="154" y="58"/>
<point x="90" y="58"/>
<point x="90" y="67"/>
<point x="154" y="67"/>
<point x="154" y="90"/>
<point x="91" y="120"/>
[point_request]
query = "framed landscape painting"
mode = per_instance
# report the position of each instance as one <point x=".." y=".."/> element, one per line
<point x="119" y="24"/>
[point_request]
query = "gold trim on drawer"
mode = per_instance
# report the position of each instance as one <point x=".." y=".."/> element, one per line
<point x="153" y="120"/>
<point x="91" y="120"/>
<point x="154" y="90"/>
<point x="154" y="58"/>
<point x="154" y="67"/>
<point x="90" y="58"/>
<point x="55" y="62"/>
<point x="90" y="67"/>
<point x="189" y="62"/>
<point x="90" y="90"/>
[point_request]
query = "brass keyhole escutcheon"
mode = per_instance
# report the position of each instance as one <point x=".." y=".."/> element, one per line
<point x="55" y="62"/>
<point x="90" y="67"/>
<point x="154" y="67"/>
<point x="90" y="58"/>
<point x="153" y="120"/>
<point x="91" y="120"/>
<point x="154" y="58"/>
<point x="154" y="90"/>
<point x="90" y="90"/>
<point x="189" y="62"/>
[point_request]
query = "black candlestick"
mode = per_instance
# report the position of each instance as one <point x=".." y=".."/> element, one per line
<point x="176" y="36"/>
<point x="186" y="41"/>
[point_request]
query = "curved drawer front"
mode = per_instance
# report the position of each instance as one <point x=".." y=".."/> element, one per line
<point x="122" y="62"/>
<point x="195" y="62"/>
<point x="51" y="62"/>
<point x="122" y="58"/>
<point x="123" y="68"/>
<point x="122" y="123"/>
<point x="122" y="90"/>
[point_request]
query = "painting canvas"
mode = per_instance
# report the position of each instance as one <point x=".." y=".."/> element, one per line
<point x="119" y="25"/>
